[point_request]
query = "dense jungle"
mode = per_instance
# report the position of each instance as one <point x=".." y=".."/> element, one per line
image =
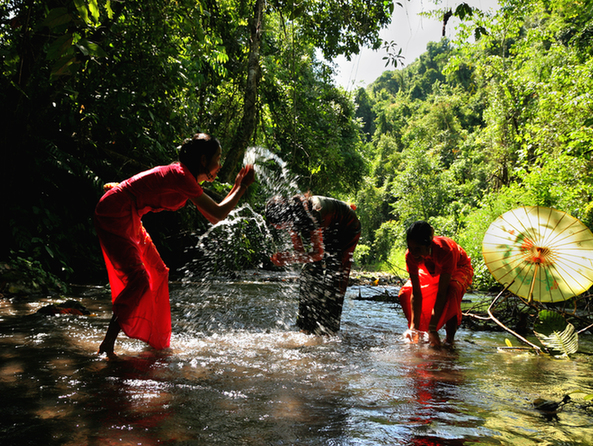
<point x="97" y="91"/>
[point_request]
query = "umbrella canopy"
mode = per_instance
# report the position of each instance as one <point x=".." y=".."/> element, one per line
<point x="546" y="254"/>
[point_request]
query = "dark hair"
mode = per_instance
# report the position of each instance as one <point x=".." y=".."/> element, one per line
<point x="193" y="149"/>
<point x="420" y="232"/>
<point x="281" y="210"/>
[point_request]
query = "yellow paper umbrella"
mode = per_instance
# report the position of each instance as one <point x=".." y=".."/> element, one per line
<point x="544" y="254"/>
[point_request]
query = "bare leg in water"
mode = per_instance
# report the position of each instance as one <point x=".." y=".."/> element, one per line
<point x="108" y="344"/>
<point x="451" y="329"/>
<point x="137" y="286"/>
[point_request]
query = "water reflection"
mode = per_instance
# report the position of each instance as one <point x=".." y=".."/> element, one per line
<point x="238" y="372"/>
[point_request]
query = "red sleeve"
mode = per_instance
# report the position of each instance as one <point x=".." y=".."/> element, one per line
<point x="411" y="264"/>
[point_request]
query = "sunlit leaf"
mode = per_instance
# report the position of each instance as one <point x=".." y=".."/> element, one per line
<point x="94" y="9"/>
<point x="549" y="322"/>
<point x="565" y="342"/>
<point x="83" y="10"/>
<point x="90" y="48"/>
<point x="109" y="9"/>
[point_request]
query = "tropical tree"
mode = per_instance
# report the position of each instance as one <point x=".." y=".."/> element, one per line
<point x="98" y="91"/>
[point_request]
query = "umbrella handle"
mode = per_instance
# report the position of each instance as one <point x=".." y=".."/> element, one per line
<point x="518" y="336"/>
<point x="530" y="296"/>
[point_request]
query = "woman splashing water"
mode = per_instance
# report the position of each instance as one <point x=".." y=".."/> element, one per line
<point x="137" y="274"/>
<point x="332" y="230"/>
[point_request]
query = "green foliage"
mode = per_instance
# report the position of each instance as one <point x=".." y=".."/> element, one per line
<point x="97" y="91"/>
<point x="342" y="27"/>
<point x="361" y="254"/>
<point x="422" y="189"/>
<point x="25" y="275"/>
<point x="388" y="238"/>
<point x="477" y="129"/>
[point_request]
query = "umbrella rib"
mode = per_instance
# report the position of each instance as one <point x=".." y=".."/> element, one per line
<point x="560" y="240"/>
<point x="564" y="271"/>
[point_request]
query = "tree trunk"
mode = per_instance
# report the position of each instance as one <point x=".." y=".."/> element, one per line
<point x="246" y="127"/>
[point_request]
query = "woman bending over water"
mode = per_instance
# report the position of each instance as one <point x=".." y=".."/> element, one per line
<point x="440" y="273"/>
<point x="332" y="230"/>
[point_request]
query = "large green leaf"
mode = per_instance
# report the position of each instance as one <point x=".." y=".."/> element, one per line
<point x="549" y="322"/>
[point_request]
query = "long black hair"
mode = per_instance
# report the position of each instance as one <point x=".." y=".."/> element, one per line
<point x="193" y="149"/>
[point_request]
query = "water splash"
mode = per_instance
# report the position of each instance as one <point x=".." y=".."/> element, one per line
<point x="236" y="247"/>
<point x="240" y="241"/>
<point x="244" y="239"/>
<point x="274" y="178"/>
<point x="272" y="172"/>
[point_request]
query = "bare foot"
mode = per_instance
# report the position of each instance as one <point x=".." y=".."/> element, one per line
<point x="103" y="350"/>
<point x="433" y="340"/>
<point x="449" y="345"/>
<point x="108" y="344"/>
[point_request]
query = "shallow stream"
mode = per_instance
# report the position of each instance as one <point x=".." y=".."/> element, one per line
<point x="239" y="373"/>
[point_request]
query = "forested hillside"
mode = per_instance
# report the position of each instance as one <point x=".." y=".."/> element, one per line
<point x="471" y="130"/>
<point x="97" y="91"/>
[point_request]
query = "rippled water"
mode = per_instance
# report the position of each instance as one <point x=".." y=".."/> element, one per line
<point x="238" y="373"/>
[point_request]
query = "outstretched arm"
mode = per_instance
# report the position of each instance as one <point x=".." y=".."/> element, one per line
<point x="412" y="334"/>
<point x="439" y="306"/>
<point x="416" y="301"/>
<point x="216" y="212"/>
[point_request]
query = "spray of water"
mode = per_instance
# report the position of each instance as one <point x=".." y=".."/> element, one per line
<point x="272" y="172"/>
<point x="242" y="241"/>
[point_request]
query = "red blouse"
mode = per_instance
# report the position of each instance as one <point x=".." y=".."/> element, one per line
<point x="446" y="257"/>
<point x="163" y="188"/>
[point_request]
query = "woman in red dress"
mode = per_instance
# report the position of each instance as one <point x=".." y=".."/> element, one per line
<point x="137" y="274"/>
<point x="440" y="273"/>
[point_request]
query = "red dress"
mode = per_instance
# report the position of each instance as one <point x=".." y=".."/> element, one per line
<point x="138" y="277"/>
<point x="446" y="257"/>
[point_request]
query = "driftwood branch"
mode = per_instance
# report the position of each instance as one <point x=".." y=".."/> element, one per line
<point x="517" y="335"/>
<point x="585" y="329"/>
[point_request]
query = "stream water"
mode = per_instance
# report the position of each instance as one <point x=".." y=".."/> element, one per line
<point x="239" y="373"/>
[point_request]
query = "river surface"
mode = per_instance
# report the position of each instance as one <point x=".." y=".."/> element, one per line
<point x="239" y="373"/>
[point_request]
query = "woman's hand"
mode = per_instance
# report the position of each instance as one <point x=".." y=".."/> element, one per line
<point x="216" y="212"/>
<point x="412" y="335"/>
<point x="246" y="176"/>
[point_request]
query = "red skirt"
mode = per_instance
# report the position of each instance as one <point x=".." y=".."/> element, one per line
<point x="460" y="282"/>
<point x="138" y="277"/>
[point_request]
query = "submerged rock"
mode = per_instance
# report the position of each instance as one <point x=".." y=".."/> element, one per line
<point x="68" y="307"/>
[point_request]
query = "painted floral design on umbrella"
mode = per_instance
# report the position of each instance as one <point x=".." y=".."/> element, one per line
<point x="546" y="254"/>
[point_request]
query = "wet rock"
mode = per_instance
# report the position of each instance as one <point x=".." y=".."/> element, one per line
<point x="68" y="307"/>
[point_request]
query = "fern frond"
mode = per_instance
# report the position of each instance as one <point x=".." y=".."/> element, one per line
<point x="565" y="342"/>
